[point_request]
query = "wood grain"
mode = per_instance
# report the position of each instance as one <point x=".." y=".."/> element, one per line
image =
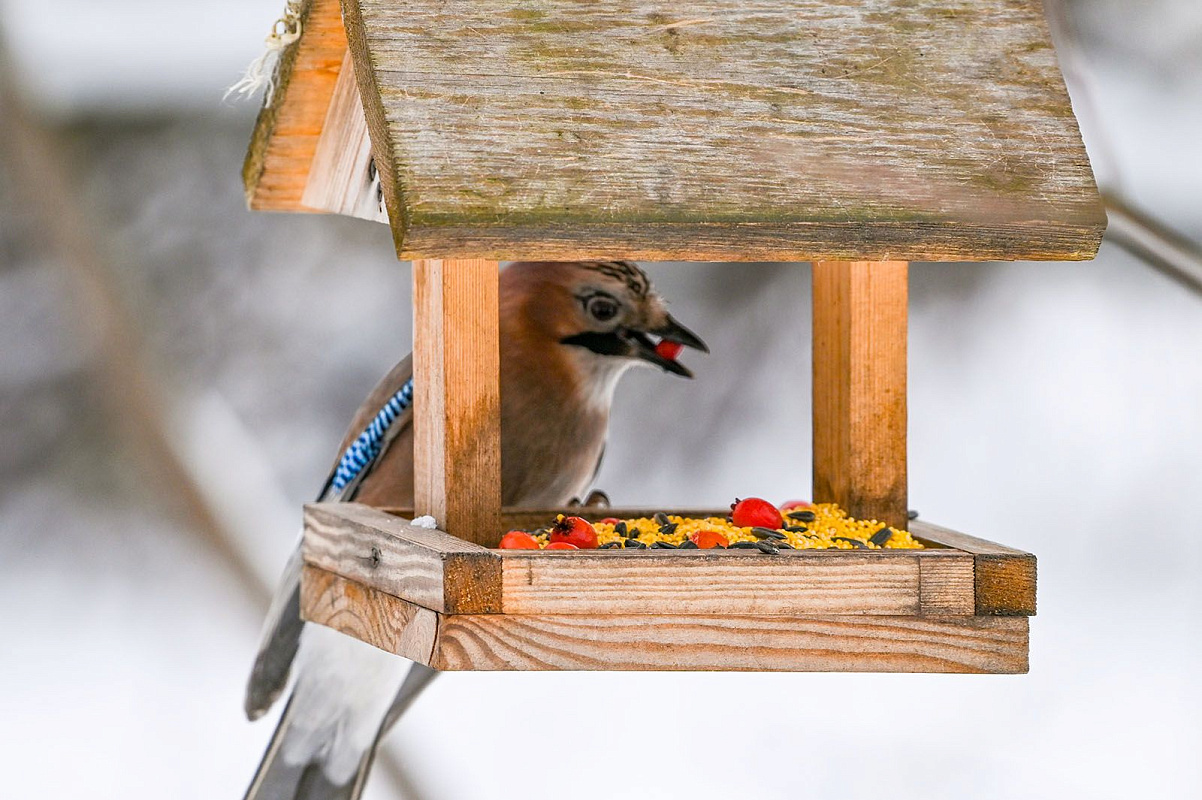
<point x="946" y="583"/>
<point x="683" y="642"/>
<point x="859" y="408"/>
<point x="747" y="643"/>
<point x="288" y="128"/>
<point x="430" y="568"/>
<point x="341" y="177"/>
<point x="368" y="615"/>
<point x="1005" y="578"/>
<point x="457" y="397"/>
<point x="789" y="130"/>
<point x="736" y="583"/>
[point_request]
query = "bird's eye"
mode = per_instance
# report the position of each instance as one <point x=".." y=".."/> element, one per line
<point x="602" y="308"/>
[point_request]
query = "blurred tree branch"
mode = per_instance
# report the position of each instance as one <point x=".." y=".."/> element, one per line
<point x="1153" y="242"/>
<point x="1134" y="230"/>
<point x="135" y="399"/>
<point x="132" y="397"/>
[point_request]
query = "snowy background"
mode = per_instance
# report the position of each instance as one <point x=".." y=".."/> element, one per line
<point x="1056" y="407"/>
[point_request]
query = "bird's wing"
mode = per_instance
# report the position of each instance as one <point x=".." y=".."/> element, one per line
<point x="278" y="642"/>
<point x="282" y="628"/>
<point x="388" y="386"/>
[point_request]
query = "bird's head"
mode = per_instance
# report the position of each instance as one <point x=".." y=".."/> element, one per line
<point x="606" y="313"/>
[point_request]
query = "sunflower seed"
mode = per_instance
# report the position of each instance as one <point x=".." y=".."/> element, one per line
<point x="767" y="547"/>
<point x="745" y="546"/>
<point x="856" y="543"/>
<point x="796" y="528"/>
<point x="669" y="529"/>
<point x="610" y="545"/>
<point x="620" y="528"/>
<point x="661" y="518"/>
<point x="802" y="516"/>
<point x="688" y="544"/>
<point x="663" y="546"/>
<point x="635" y="544"/>
<point x="880" y="537"/>
<point x="912" y="514"/>
<point x="785" y="546"/>
<point x="767" y="533"/>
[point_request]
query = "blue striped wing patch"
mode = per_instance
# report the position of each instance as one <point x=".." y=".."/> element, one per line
<point x="368" y="444"/>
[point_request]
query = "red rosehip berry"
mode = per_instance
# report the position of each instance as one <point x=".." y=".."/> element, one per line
<point x="561" y="546"/>
<point x="793" y="505"/>
<point x="706" y="540"/>
<point x="574" y="531"/>
<point x="668" y="350"/>
<point x="611" y="520"/>
<point x="518" y="540"/>
<point x="755" y="512"/>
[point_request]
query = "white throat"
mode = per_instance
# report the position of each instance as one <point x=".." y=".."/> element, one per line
<point x="599" y="376"/>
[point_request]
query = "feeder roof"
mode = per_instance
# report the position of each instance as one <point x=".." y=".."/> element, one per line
<point x="721" y="130"/>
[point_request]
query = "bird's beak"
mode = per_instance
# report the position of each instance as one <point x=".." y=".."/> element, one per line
<point x="640" y="344"/>
<point x="673" y="331"/>
<point x="652" y="351"/>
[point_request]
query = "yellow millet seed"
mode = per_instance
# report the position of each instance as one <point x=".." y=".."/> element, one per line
<point x="830" y="528"/>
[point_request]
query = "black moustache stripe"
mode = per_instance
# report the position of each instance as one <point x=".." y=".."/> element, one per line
<point x="606" y="344"/>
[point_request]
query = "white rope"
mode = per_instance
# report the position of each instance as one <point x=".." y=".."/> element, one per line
<point x="261" y="72"/>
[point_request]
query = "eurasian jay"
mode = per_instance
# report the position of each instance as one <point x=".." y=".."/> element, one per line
<point x="568" y="331"/>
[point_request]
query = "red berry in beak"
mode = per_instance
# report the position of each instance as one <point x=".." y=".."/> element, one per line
<point x="668" y="350"/>
<point x="755" y="512"/>
<point x="574" y="531"/>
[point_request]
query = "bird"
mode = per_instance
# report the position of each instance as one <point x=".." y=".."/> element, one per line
<point x="568" y="331"/>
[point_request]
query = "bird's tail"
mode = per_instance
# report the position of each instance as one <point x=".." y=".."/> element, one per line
<point x="314" y="762"/>
<point x="278" y="778"/>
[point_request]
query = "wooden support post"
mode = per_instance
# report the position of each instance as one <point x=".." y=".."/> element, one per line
<point x="457" y="397"/>
<point x="860" y="387"/>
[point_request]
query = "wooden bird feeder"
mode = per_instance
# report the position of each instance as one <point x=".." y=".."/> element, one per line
<point x="855" y="135"/>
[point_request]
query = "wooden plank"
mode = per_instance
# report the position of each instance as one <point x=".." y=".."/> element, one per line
<point x="737" y="583"/>
<point x="747" y="643"/>
<point x="1005" y="578"/>
<point x="694" y="582"/>
<point x="457" y="402"/>
<point x="946" y="537"/>
<point x="788" y="130"/>
<point x="859" y="409"/>
<point x="368" y="615"/>
<point x="427" y="567"/>
<point x="649" y="643"/>
<point x="289" y="127"/>
<point x="342" y="177"/>
<point x="946" y="583"/>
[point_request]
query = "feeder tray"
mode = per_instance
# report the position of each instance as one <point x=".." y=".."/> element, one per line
<point x="859" y="136"/>
<point x="959" y="606"/>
